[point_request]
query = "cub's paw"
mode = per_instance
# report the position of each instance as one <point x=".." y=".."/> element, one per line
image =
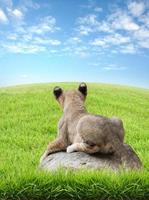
<point x="71" y="148"/>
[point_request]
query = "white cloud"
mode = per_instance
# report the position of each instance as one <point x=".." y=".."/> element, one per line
<point x="3" y="17"/>
<point x="46" y="24"/>
<point x="89" y="19"/>
<point x="31" y="4"/>
<point x="121" y="20"/>
<point x="39" y="40"/>
<point x="29" y="39"/>
<point x="145" y="19"/>
<point x="129" y="49"/>
<point x="53" y="51"/>
<point x="82" y="54"/>
<point x="114" y="67"/>
<point x="98" y="42"/>
<point x="17" y="13"/>
<point x="80" y="50"/>
<point x="141" y="34"/>
<point x="22" y="35"/>
<point x="105" y="27"/>
<point x="120" y="31"/>
<point x="92" y="5"/>
<point x="87" y="24"/>
<point x="23" y="48"/>
<point x="115" y="39"/>
<point x="142" y="37"/>
<point x="90" y="24"/>
<point x="118" y="20"/>
<point x="98" y="9"/>
<point x="74" y="40"/>
<point x="12" y="36"/>
<point x="54" y="42"/>
<point x="94" y="64"/>
<point x="144" y="43"/>
<point x="83" y="30"/>
<point x="136" y="8"/>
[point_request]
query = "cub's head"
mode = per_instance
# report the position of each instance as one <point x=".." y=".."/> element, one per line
<point x="66" y="97"/>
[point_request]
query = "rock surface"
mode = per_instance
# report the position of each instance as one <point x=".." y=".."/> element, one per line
<point x="79" y="160"/>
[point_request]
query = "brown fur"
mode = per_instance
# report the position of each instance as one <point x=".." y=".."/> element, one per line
<point x="79" y="130"/>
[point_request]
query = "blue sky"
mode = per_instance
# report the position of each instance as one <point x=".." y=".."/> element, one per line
<point x="74" y="40"/>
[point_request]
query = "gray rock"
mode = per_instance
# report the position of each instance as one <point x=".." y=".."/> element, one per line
<point x="79" y="160"/>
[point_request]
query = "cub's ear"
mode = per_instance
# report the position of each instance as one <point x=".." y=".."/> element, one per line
<point x="57" y="91"/>
<point x="83" y="88"/>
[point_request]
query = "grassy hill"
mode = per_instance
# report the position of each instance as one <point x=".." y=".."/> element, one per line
<point x="28" y="120"/>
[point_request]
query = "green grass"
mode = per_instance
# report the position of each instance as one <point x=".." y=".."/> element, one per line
<point x="28" y="120"/>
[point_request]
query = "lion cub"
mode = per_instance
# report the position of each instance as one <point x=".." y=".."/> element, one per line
<point x="79" y="130"/>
